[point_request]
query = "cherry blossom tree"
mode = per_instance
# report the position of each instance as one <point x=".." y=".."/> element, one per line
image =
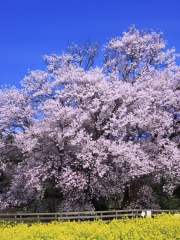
<point x="90" y="133"/>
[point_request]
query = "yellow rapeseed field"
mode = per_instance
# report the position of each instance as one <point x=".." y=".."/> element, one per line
<point x="164" y="226"/>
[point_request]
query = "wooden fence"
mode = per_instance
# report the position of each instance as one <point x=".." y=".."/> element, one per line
<point x="81" y="216"/>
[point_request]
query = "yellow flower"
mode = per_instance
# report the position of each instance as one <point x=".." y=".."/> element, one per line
<point x="164" y="226"/>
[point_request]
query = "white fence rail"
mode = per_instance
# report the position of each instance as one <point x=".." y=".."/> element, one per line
<point x="81" y="216"/>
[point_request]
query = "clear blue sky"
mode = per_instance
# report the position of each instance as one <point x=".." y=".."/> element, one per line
<point x="30" y="29"/>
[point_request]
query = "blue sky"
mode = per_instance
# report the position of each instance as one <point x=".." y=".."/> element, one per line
<point x="30" y="29"/>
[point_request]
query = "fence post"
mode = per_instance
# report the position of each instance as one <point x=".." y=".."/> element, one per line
<point x="38" y="218"/>
<point x="149" y="213"/>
